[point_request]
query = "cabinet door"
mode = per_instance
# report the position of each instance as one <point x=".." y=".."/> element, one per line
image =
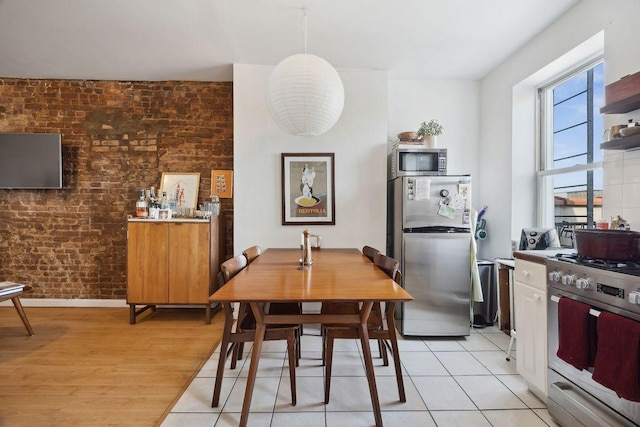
<point x="531" y="335"/>
<point x="147" y="257"/>
<point x="189" y="263"/>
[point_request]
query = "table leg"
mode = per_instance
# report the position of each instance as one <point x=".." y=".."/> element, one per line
<point x="391" y="324"/>
<point x="368" y="362"/>
<point x="23" y="315"/>
<point x="258" y="313"/>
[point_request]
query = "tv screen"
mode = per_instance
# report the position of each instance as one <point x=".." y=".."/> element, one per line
<point x="30" y="160"/>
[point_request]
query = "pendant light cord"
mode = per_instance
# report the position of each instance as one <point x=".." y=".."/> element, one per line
<point x="304" y="28"/>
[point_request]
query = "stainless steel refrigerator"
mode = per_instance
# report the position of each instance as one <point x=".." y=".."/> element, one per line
<point x="428" y="231"/>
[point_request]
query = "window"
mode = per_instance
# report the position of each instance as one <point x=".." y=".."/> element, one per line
<point x="570" y="171"/>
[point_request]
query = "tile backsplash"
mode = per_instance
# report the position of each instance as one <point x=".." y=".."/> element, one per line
<point x="621" y="186"/>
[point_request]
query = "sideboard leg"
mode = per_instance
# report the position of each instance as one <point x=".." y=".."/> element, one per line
<point x="132" y="314"/>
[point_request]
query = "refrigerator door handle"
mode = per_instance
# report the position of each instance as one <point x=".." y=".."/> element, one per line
<point x="437" y="229"/>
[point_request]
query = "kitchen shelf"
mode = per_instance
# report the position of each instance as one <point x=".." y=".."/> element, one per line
<point x="622" y="106"/>
<point x="624" y="143"/>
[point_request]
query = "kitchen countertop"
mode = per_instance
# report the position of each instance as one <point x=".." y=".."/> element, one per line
<point x="176" y="219"/>
<point x="540" y="256"/>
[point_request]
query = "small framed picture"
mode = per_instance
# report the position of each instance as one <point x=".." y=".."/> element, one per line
<point x="181" y="186"/>
<point x="164" y="214"/>
<point x="308" y="191"/>
<point x="222" y="183"/>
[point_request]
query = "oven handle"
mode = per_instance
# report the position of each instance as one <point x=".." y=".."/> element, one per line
<point x="592" y="312"/>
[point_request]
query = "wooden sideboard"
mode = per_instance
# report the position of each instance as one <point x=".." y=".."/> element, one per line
<point x="173" y="262"/>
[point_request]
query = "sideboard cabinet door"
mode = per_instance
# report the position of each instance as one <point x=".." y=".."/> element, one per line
<point x="147" y="273"/>
<point x="189" y="263"/>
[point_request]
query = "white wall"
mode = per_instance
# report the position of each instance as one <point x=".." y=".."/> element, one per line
<point x="455" y="104"/>
<point x="359" y="141"/>
<point x="504" y="173"/>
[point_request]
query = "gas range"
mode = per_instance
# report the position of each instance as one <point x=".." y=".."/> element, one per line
<point x="609" y="282"/>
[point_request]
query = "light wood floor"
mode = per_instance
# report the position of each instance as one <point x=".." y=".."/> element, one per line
<point x="90" y="367"/>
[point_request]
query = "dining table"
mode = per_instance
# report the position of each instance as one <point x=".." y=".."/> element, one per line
<point x="334" y="275"/>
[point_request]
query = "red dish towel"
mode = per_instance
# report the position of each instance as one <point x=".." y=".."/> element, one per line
<point x="576" y="333"/>
<point x="618" y="358"/>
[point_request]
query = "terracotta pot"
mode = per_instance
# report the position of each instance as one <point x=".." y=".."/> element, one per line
<point x="612" y="245"/>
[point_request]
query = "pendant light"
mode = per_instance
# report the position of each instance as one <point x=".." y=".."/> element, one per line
<point x="305" y="93"/>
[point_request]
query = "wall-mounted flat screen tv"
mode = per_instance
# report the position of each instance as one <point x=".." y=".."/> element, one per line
<point x="30" y="160"/>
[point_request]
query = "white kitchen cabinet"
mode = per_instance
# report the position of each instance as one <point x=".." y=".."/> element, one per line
<point x="530" y="306"/>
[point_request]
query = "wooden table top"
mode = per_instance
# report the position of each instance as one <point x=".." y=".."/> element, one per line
<point x="335" y="275"/>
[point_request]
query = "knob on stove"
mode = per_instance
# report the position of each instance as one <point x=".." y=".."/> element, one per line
<point x="634" y="297"/>
<point x="584" y="283"/>
<point x="554" y="277"/>
<point x="569" y="280"/>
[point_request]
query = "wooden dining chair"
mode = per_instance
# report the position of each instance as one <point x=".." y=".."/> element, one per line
<point x="274" y="308"/>
<point x="351" y="308"/>
<point x="376" y="327"/>
<point x="370" y="252"/>
<point x="245" y="332"/>
<point x="252" y="253"/>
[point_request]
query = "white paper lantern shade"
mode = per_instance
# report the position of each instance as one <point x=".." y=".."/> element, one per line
<point x="305" y="95"/>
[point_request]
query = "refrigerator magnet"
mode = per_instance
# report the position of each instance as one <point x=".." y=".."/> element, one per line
<point x="463" y="190"/>
<point x="446" y="211"/>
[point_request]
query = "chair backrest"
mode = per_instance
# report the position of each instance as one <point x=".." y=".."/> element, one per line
<point x="370" y="252"/>
<point x="232" y="266"/>
<point x="221" y="280"/>
<point x="387" y="264"/>
<point x="398" y="278"/>
<point x="252" y="253"/>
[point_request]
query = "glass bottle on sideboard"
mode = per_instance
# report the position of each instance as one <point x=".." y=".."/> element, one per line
<point x="142" y="207"/>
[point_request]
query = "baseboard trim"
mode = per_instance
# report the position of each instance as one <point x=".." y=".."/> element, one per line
<point x="72" y="302"/>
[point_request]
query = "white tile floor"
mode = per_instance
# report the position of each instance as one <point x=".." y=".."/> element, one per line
<point x="448" y="382"/>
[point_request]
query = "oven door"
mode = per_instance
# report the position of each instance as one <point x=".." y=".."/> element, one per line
<point x="572" y="391"/>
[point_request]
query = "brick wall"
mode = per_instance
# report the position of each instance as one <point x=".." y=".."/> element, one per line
<point x="117" y="137"/>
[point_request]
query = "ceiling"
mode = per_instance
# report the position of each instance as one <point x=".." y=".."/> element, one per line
<point x="201" y="39"/>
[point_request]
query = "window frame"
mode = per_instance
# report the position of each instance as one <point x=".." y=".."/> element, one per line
<point x="544" y="149"/>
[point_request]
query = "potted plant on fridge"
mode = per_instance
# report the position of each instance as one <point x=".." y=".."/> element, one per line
<point x="429" y="132"/>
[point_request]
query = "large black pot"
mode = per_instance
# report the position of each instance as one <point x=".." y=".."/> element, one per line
<point x="612" y="245"/>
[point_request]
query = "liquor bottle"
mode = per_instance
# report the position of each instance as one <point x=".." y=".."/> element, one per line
<point x="164" y="202"/>
<point x="154" y="205"/>
<point x="142" y="207"/>
<point x="173" y="205"/>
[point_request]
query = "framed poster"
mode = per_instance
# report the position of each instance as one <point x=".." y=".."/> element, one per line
<point x="222" y="183"/>
<point x="182" y="186"/>
<point x="308" y="189"/>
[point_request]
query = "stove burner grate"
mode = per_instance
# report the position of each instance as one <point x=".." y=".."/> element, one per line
<point x="629" y="267"/>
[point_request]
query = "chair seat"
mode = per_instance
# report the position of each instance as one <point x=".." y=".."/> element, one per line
<point x="249" y="321"/>
<point x="374" y="322"/>
<point x="249" y="324"/>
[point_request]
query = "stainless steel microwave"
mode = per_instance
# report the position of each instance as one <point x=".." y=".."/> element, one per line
<point x="417" y="161"/>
